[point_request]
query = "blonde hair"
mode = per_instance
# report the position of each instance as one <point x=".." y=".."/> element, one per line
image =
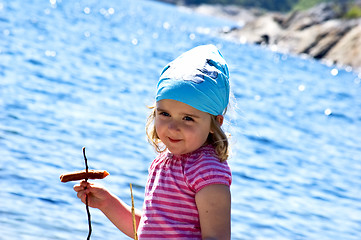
<point x="217" y="138"/>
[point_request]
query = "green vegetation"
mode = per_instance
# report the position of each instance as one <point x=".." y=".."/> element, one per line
<point x="342" y="5"/>
<point x="272" y="5"/>
<point x="278" y="5"/>
<point x="306" y="4"/>
<point x="354" y="12"/>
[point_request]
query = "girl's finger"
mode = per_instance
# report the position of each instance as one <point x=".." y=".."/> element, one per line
<point x="81" y="186"/>
<point x="82" y="194"/>
<point x="78" y="188"/>
<point x="84" y="184"/>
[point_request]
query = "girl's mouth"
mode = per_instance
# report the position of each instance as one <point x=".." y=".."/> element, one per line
<point x="173" y="140"/>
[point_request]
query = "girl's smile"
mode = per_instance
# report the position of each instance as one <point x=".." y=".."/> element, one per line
<point x="174" y="140"/>
<point x="181" y="127"/>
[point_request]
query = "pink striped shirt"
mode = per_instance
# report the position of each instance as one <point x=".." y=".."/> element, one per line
<point x="170" y="210"/>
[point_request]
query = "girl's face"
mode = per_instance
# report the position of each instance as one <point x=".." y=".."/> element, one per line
<point x="182" y="128"/>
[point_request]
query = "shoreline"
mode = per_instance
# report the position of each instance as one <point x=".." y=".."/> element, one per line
<point x="318" y="32"/>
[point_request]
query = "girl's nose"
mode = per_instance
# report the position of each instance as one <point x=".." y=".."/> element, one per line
<point x="173" y="125"/>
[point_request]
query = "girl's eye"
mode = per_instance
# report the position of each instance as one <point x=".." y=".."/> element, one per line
<point x="164" y="114"/>
<point x="188" y="119"/>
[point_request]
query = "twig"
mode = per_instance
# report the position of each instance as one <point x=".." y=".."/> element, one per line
<point x="133" y="214"/>
<point x="86" y="197"/>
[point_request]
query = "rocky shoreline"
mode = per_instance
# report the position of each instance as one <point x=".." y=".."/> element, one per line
<point x="319" y="32"/>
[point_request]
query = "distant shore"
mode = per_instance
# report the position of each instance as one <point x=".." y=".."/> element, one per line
<point x="318" y="32"/>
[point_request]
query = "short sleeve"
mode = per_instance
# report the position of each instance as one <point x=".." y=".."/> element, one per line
<point x="205" y="171"/>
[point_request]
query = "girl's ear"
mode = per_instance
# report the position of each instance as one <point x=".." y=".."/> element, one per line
<point x="220" y="119"/>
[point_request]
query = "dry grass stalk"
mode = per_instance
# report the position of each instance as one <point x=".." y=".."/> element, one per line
<point x="133" y="214"/>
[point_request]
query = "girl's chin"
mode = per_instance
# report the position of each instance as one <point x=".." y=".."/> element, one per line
<point x="179" y="151"/>
<point x="176" y="150"/>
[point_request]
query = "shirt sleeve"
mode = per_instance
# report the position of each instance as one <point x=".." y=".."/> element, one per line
<point x="206" y="171"/>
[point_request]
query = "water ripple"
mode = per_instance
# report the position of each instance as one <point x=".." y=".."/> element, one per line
<point x="80" y="74"/>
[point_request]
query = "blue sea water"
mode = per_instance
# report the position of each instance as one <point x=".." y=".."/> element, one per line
<point x="82" y="73"/>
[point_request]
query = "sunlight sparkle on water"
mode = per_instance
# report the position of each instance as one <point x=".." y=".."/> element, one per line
<point x="86" y="10"/>
<point x="328" y="112"/>
<point x="166" y="25"/>
<point x="203" y="30"/>
<point x="135" y="41"/>
<point x="243" y="40"/>
<point x="111" y="11"/>
<point x="50" y="53"/>
<point x="301" y="88"/>
<point x="348" y="69"/>
<point x="334" y="72"/>
<point x="257" y="97"/>
<point x="106" y="12"/>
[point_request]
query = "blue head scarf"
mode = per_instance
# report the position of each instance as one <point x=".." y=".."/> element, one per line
<point x="198" y="78"/>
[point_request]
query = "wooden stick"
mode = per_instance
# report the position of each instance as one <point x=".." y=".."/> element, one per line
<point x="133" y="214"/>
<point x="86" y="197"/>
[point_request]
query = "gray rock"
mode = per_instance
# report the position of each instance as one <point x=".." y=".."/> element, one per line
<point x="318" y="32"/>
<point x="300" y="20"/>
<point x="347" y="50"/>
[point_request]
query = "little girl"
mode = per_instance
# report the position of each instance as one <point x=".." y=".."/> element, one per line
<point x="187" y="195"/>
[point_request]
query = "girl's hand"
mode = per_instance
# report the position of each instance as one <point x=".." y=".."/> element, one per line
<point x="98" y="196"/>
<point x="115" y="209"/>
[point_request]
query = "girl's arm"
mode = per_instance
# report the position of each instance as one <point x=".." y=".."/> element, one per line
<point x="118" y="212"/>
<point x="214" y="206"/>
